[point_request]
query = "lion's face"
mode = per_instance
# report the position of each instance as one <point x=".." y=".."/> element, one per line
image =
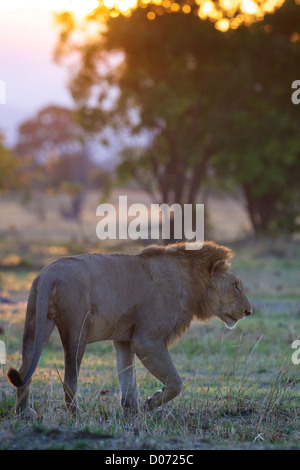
<point x="233" y="302"/>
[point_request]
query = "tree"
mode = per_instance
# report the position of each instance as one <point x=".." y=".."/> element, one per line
<point x="164" y="84"/>
<point x="51" y="147"/>
<point x="200" y="96"/>
<point x="261" y="149"/>
<point x="8" y="169"/>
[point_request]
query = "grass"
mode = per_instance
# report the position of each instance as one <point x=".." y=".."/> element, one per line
<point x="241" y="389"/>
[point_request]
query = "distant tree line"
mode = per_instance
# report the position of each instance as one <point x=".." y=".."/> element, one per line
<point x="51" y="155"/>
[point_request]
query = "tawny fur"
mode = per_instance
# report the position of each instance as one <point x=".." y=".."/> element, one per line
<point x="141" y="302"/>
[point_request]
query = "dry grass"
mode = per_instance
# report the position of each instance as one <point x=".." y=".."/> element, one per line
<point x="237" y="394"/>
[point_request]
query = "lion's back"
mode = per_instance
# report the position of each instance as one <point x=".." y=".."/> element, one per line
<point x="105" y="278"/>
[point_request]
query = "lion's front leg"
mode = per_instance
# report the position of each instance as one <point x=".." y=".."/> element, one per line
<point x="156" y="358"/>
<point x="127" y="376"/>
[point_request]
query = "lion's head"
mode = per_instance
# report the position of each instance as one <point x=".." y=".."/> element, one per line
<point x="233" y="304"/>
<point x="211" y="286"/>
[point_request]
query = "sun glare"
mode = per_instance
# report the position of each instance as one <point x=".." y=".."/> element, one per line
<point x="125" y="5"/>
<point x="225" y="14"/>
<point x="249" y="7"/>
<point x="223" y="25"/>
<point x="81" y="8"/>
<point x="230" y="14"/>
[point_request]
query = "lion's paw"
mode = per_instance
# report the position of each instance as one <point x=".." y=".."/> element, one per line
<point x="28" y="414"/>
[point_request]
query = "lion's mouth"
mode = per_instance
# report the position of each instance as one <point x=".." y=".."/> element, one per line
<point x="230" y="320"/>
<point x="231" y="317"/>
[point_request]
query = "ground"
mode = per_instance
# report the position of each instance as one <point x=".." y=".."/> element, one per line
<point x="241" y="388"/>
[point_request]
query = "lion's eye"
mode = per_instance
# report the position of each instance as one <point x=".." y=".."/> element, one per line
<point x="236" y="285"/>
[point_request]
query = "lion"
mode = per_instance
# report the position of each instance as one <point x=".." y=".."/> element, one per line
<point x="141" y="302"/>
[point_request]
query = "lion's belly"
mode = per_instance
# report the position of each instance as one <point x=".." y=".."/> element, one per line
<point x="117" y="326"/>
<point x="109" y="334"/>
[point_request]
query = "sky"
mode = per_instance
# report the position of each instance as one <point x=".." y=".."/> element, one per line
<point x="32" y="79"/>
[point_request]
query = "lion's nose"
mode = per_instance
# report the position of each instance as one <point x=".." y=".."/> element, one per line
<point x="248" y="312"/>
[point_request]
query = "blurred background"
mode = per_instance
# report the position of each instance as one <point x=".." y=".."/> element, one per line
<point x="163" y="101"/>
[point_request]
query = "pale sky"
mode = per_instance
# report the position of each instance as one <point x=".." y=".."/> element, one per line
<point x="32" y="79"/>
<point x="80" y="7"/>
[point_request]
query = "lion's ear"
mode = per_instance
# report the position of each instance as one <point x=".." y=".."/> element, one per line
<point x="220" y="263"/>
<point x="215" y="257"/>
<point x="217" y="266"/>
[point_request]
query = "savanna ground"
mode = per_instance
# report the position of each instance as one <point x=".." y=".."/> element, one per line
<point x="241" y="389"/>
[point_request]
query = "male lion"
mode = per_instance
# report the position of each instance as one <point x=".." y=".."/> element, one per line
<point x="141" y="302"/>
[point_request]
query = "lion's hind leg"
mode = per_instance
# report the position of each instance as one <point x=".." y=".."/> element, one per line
<point x="74" y="343"/>
<point x="156" y="358"/>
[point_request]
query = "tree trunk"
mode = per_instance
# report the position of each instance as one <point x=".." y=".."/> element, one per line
<point x="261" y="210"/>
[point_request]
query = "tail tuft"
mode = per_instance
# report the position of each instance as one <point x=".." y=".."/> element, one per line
<point x="14" y="377"/>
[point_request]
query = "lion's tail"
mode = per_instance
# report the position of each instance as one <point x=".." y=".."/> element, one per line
<point x="14" y="377"/>
<point x="42" y="331"/>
